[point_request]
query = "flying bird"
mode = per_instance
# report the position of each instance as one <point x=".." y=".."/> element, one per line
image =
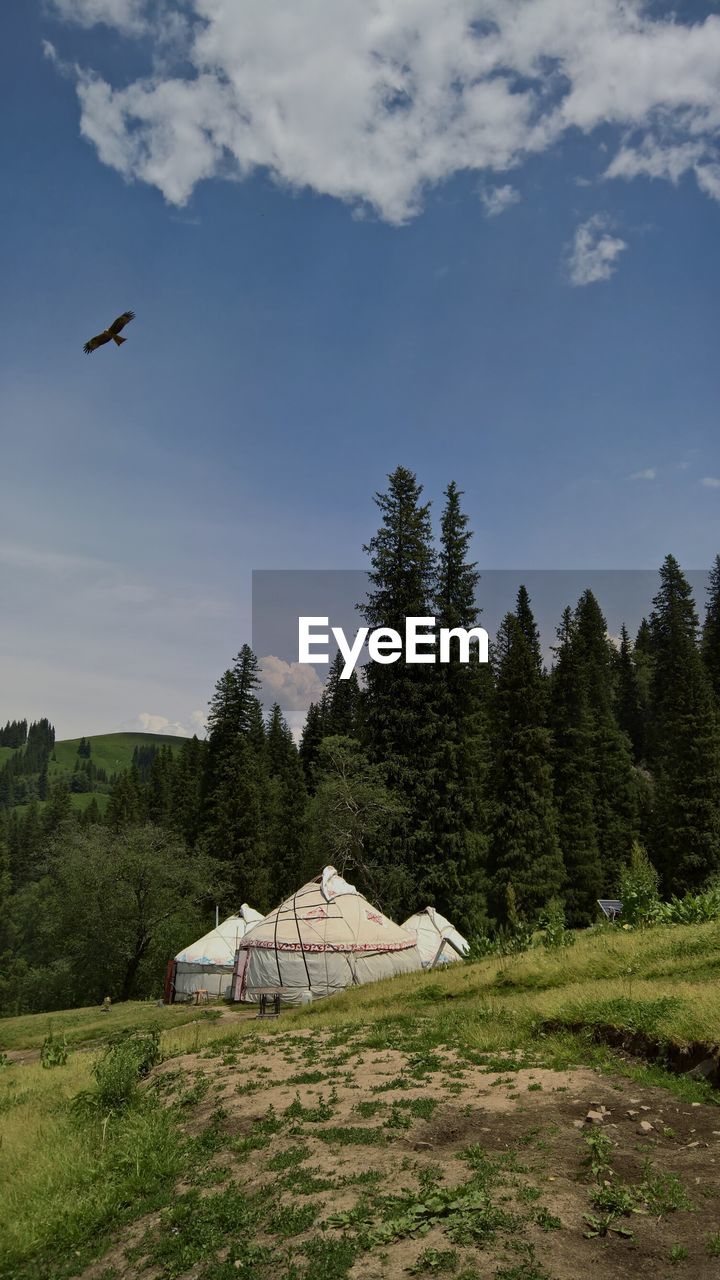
<point x="111" y="333"/>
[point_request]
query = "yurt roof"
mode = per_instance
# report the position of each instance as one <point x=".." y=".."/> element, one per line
<point x="220" y="944"/>
<point x="327" y="914"/>
<point x="430" y="923"/>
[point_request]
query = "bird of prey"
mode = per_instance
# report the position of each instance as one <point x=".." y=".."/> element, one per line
<point x="111" y="333"/>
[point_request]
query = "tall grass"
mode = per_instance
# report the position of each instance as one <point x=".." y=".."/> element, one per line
<point x="66" y="1179"/>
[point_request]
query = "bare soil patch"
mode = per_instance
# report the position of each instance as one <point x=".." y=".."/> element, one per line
<point x="326" y="1130"/>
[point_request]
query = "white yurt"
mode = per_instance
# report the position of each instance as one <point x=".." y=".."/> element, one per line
<point x="209" y="962"/>
<point x="323" y="939"/>
<point x="437" y="940"/>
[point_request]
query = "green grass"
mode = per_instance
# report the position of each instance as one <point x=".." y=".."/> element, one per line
<point x="86" y="1026"/>
<point x="67" y="1185"/>
<point x="110" y="751"/>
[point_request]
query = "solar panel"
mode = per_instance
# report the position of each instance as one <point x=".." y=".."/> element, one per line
<point x="610" y="907"/>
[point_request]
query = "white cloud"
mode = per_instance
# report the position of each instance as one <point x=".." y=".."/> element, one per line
<point x="710" y="482"/>
<point x="592" y="254"/>
<point x="650" y="473"/>
<point x="373" y="104"/>
<point x="498" y="199"/>
<point x="128" y="16"/>
<point x="294" y="685"/>
<point x="146" y="722"/>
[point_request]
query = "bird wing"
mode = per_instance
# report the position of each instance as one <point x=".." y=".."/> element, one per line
<point x="121" y="321"/>
<point x="97" y="341"/>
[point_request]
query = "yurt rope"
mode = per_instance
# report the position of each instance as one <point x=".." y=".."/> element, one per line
<point x="277" y="951"/>
<point x="302" y="947"/>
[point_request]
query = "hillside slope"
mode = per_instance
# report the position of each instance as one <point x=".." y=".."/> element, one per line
<point x="112" y="753"/>
<point x="433" y="1124"/>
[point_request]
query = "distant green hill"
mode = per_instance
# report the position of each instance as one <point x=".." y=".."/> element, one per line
<point x="112" y="752"/>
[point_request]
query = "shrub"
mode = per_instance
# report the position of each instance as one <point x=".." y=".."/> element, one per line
<point x="693" y="908"/>
<point x="54" y="1051"/>
<point x="119" y="1070"/>
<point x="639" y="888"/>
<point x="552" y="925"/>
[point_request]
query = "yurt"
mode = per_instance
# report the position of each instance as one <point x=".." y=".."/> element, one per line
<point x="326" y="937"/>
<point x="209" y="963"/>
<point x="437" y="940"/>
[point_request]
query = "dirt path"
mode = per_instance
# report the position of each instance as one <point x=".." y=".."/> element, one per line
<point x="319" y="1132"/>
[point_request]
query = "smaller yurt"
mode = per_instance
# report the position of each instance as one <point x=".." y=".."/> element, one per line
<point x="437" y="940"/>
<point x="208" y="963"/>
<point x="323" y="939"/>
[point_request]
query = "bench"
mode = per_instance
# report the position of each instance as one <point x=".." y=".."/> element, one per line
<point x="269" y="1002"/>
<point x="202" y="995"/>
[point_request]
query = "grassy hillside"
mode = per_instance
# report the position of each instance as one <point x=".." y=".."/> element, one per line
<point x="112" y="752"/>
<point x="432" y="1125"/>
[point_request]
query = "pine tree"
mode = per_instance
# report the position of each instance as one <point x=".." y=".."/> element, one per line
<point x="711" y="630"/>
<point x="629" y="703"/>
<point x="91" y="815"/>
<point x="24" y="838"/>
<point x="58" y="810"/>
<point x="5" y="884"/>
<point x="524" y="848"/>
<point x="287" y="797"/>
<point x="233" y="827"/>
<point x="187" y="789"/>
<point x="400" y="721"/>
<point x="312" y="735"/>
<point x="616" y="794"/>
<point x="574" y="778"/>
<point x="644" y="663"/>
<point x="528" y="625"/>
<point x="685" y="751"/>
<point x="457" y="814"/>
<point x="125" y="806"/>
<point x="342" y="701"/>
<point x="159" y="792"/>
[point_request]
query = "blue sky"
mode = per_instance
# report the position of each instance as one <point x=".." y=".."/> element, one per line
<point x="483" y="285"/>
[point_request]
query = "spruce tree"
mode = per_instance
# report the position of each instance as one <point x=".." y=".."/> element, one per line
<point x="711" y="630"/>
<point x="312" y="735"/>
<point x="629" y="703"/>
<point x="159" y="798"/>
<point x="342" y="701"/>
<point x="235" y="785"/>
<point x="400" y="720"/>
<point x="685" y="750"/>
<point x="5" y="884"/>
<point x="528" y="626"/>
<point x="24" y="839"/>
<point x="187" y="782"/>
<point x="457" y="813"/>
<point x="575" y="778"/>
<point x="644" y="666"/>
<point x="616" y="793"/>
<point x="524" y="848"/>
<point x="287" y="796"/>
<point x="91" y="815"/>
<point x="125" y="806"/>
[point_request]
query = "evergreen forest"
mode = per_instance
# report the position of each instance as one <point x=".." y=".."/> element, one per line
<point x="486" y="790"/>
